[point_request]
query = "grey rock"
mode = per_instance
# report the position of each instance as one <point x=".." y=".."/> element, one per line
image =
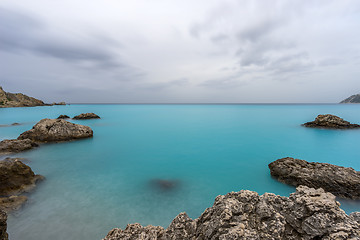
<point x="352" y="99"/>
<point x="86" y="116"/>
<point x="307" y="214"/>
<point x="53" y="130"/>
<point x="331" y="122"/>
<point x="15" y="145"/>
<point x="3" y="226"/>
<point x="341" y="181"/>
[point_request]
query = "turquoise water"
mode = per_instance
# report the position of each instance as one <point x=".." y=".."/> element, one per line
<point x="97" y="184"/>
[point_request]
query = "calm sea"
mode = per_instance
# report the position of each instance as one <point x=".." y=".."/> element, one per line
<point x="147" y="163"/>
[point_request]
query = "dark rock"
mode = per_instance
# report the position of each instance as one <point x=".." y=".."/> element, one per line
<point x="341" y="181"/>
<point x="330" y="121"/>
<point x="3" y="226"/>
<point x="352" y="99"/>
<point x="52" y="130"/>
<point x="59" y="103"/>
<point x="307" y="214"/>
<point x="18" y="100"/>
<point x="86" y="116"/>
<point x="15" y="145"/>
<point x="164" y="185"/>
<point x="63" y="117"/>
<point x="15" y="124"/>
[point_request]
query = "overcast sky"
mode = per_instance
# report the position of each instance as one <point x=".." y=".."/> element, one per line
<point x="181" y="51"/>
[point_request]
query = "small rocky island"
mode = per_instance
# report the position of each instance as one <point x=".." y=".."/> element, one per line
<point x="306" y="214"/>
<point x="352" y="99"/>
<point x="86" y="116"/>
<point x="331" y="122"/>
<point x="341" y="181"/>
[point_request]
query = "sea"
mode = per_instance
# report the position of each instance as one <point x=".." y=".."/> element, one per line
<point x="148" y="162"/>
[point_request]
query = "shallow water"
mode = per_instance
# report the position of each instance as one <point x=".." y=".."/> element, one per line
<point x="120" y="176"/>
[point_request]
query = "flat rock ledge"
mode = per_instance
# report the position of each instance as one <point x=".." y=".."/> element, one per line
<point x="86" y="116"/>
<point x="15" y="178"/>
<point x="3" y="226"/>
<point x="15" y="145"/>
<point x="341" y="181"/>
<point x="330" y="121"/>
<point x="306" y="214"/>
<point x="54" y="130"/>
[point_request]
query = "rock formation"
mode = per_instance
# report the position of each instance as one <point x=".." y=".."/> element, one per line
<point x="306" y="214"/>
<point x="18" y="100"/>
<point x="52" y="130"/>
<point x="3" y="226"/>
<point x="341" y="181"/>
<point x="15" y="145"/>
<point x="330" y="121"/>
<point x="63" y="117"/>
<point x="86" y="116"/>
<point x="352" y="99"/>
<point x="59" y="103"/>
<point x="15" y="178"/>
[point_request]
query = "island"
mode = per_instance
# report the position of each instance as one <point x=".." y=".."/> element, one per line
<point x="352" y="99"/>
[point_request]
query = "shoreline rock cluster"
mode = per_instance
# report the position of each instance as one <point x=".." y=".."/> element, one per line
<point x="331" y="122"/>
<point x="81" y="116"/>
<point x="306" y="214"/>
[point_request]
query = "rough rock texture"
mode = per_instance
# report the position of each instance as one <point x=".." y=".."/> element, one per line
<point x="18" y="100"/>
<point x="330" y="121"/>
<point x="307" y="214"/>
<point x="3" y="226"/>
<point x="352" y="99"/>
<point x="50" y="130"/>
<point x="14" y="145"/>
<point x="341" y="181"/>
<point x="86" y="116"/>
<point x="12" y="203"/>
<point x="63" y="117"/>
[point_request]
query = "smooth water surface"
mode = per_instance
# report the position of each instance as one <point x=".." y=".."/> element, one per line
<point x="94" y="185"/>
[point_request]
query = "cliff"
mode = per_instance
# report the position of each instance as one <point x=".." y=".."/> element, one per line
<point x="352" y="99"/>
<point x="18" y="100"/>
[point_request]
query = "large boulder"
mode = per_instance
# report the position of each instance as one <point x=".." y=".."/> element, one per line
<point x="86" y="116"/>
<point x="307" y="214"/>
<point x="341" y="181"/>
<point x="15" y="145"/>
<point x="3" y="226"/>
<point x="330" y="121"/>
<point x="52" y="130"/>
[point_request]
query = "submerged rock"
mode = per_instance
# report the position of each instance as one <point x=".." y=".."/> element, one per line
<point x="52" y="130"/>
<point x="15" y="145"/>
<point x="63" y="117"/>
<point x="3" y="226"/>
<point x="86" y="116"/>
<point x="341" y="181"/>
<point x="330" y="121"/>
<point x="163" y="184"/>
<point x="306" y="214"/>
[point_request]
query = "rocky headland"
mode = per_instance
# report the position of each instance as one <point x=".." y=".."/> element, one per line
<point x="306" y="214"/>
<point x="86" y="116"/>
<point x="56" y="130"/>
<point x="18" y="100"/>
<point x="15" y="145"/>
<point x="331" y="122"/>
<point x="341" y="181"/>
<point x="352" y="99"/>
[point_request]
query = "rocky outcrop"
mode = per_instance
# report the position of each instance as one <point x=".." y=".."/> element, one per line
<point x="352" y="99"/>
<point x="330" y="121"/>
<point x="59" y="103"/>
<point x="63" y="117"/>
<point x="86" y="116"/>
<point x="18" y="100"/>
<point x="15" y="145"/>
<point x="15" y="178"/>
<point x="3" y="226"/>
<point x="341" y="181"/>
<point x="306" y="214"/>
<point x="53" y="130"/>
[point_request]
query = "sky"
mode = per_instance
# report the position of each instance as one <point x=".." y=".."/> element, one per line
<point x="181" y="51"/>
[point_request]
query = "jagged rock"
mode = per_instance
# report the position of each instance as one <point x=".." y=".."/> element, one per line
<point x="63" y="117"/>
<point x="352" y="99"/>
<point x="15" y="145"/>
<point x="86" y="116"/>
<point x="3" y="226"/>
<point x="307" y="214"/>
<point x="341" y="181"/>
<point x="18" y="100"/>
<point x="50" y="130"/>
<point x="330" y="121"/>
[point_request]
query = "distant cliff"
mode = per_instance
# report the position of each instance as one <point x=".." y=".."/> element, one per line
<point x="18" y="100"/>
<point x="353" y="99"/>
